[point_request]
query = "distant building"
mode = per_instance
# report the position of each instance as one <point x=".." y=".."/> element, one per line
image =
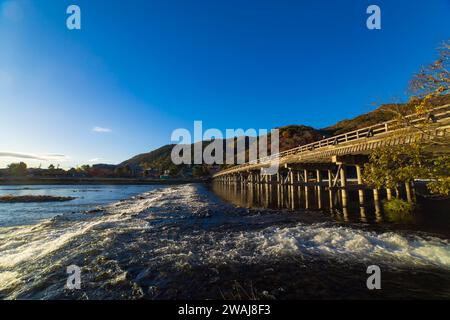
<point x="165" y="176"/>
<point x="74" y="173"/>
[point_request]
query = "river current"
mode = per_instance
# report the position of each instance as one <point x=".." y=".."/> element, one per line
<point x="188" y="242"/>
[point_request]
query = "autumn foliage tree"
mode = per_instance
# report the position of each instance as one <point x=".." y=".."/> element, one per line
<point x="431" y="81"/>
<point x="391" y="166"/>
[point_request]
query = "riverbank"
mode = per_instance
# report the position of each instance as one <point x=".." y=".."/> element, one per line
<point x="31" y="198"/>
<point x="94" y="181"/>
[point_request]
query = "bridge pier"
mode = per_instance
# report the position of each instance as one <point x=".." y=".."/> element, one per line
<point x="330" y="179"/>
<point x="360" y="184"/>
<point x="292" y="196"/>
<point x="389" y="193"/>
<point x="343" y="176"/>
<point x="291" y="177"/>
<point x="318" y="178"/>
<point x="376" y="195"/>
<point x="319" y="188"/>
<point x="306" y="196"/>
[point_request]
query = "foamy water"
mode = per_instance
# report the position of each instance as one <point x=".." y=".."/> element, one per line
<point x="146" y="245"/>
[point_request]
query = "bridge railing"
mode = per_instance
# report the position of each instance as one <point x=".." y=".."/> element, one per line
<point x="436" y="114"/>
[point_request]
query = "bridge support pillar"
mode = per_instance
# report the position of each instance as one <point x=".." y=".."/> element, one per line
<point x="330" y="190"/>
<point x="376" y="196"/>
<point x="389" y="193"/>
<point x="319" y="188"/>
<point x="291" y="176"/>
<point x="330" y="196"/>
<point x="330" y="179"/>
<point x="318" y="178"/>
<point x="360" y="184"/>
<point x="343" y="175"/>
<point x="306" y="196"/>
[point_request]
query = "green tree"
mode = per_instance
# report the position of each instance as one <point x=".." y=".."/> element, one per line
<point x="85" y="167"/>
<point x="392" y="166"/>
<point x="18" y="169"/>
<point x="440" y="174"/>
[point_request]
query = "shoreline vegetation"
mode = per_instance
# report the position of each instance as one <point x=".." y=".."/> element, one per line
<point x="94" y="181"/>
<point x="31" y="198"/>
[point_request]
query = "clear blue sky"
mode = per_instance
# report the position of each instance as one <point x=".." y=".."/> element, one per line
<point x="143" y="68"/>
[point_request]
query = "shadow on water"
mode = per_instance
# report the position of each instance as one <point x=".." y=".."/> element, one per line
<point x="429" y="215"/>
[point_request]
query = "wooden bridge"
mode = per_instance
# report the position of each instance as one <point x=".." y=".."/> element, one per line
<point x="306" y="165"/>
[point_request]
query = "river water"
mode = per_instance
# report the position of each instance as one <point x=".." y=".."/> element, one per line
<point x="211" y="242"/>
